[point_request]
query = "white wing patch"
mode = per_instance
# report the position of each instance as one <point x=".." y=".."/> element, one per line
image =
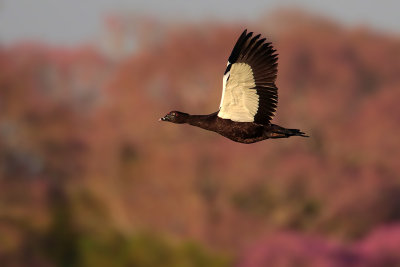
<point x="224" y="79"/>
<point x="239" y="101"/>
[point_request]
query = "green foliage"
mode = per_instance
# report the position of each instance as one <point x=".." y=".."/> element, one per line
<point x="144" y="250"/>
<point x="66" y="244"/>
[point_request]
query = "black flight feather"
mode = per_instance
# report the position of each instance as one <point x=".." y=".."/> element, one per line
<point x="261" y="57"/>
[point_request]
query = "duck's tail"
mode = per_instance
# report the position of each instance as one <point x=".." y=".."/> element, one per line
<point x="280" y="132"/>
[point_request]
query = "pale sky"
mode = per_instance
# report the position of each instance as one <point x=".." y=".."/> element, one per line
<point x="72" y="22"/>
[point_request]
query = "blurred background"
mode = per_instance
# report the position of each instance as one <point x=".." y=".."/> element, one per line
<point x="89" y="177"/>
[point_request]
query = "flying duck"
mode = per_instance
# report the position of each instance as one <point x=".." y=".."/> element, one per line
<point x="249" y="96"/>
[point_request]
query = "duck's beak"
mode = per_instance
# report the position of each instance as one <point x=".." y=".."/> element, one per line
<point x="161" y="119"/>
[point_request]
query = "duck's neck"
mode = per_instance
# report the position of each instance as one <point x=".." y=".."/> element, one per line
<point x="202" y="121"/>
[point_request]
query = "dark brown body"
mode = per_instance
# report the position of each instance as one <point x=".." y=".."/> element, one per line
<point x="242" y="132"/>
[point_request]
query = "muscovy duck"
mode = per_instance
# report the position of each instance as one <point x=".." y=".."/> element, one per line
<point x="249" y="96"/>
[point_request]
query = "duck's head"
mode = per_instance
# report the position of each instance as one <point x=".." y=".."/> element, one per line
<point x="175" y="117"/>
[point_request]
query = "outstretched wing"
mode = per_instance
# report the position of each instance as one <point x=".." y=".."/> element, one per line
<point x="249" y="93"/>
